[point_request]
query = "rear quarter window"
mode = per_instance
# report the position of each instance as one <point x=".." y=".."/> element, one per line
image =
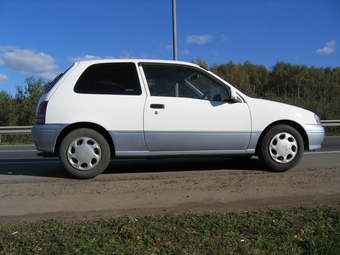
<point x="109" y="78"/>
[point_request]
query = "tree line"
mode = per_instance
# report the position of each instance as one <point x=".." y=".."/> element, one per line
<point x="19" y="110"/>
<point x="316" y="89"/>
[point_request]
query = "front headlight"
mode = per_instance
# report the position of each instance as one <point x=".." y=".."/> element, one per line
<point x="317" y="118"/>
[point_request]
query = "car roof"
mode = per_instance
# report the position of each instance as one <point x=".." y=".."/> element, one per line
<point x="155" y="61"/>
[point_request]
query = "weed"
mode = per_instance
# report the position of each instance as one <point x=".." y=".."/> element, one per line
<point x="295" y="231"/>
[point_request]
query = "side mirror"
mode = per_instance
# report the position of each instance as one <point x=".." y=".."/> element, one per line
<point x="233" y="96"/>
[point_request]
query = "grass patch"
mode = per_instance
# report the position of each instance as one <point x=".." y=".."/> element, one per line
<point x="332" y="131"/>
<point x="23" y="139"/>
<point x="295" y="231"/>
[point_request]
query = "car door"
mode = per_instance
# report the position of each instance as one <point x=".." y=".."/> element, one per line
<point x="188" y="110"/>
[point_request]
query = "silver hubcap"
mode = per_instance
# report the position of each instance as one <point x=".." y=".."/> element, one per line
<point x="84" y="153"/>
<point x="283" y="148"/>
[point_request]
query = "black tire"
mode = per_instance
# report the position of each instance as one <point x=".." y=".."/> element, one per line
<point x="281" y="148"/>
<point x="84" y="153"/>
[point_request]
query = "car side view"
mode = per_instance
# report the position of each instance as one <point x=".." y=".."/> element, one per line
<point x="100" y="110"/>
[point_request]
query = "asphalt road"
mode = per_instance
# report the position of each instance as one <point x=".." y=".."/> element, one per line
<point x="20" y="163"/>
<point x="33" y="188"/>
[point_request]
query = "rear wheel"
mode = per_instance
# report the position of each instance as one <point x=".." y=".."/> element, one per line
<point x="84" y="153"/>
<point x="281" y="148"/>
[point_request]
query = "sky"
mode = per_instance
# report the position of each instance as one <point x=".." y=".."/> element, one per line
<point x="42" y="38"/>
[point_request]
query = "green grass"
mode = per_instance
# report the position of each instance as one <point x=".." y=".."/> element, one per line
<point x="295" y="231"/>
<point x="16" y="139"/>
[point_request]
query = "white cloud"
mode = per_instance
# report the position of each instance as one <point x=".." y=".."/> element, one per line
<point x="146" y="56"/>
<point x="82" y="58"/>
<point x="224" y="38"/>
<point x="186" y="52"/>
<point x="199" y="39"/>
<point x="7" y="48"/>
<point x="31" y="62"/>
<point x="126" y="55"/>
<point x="328" y="49"/>
<point x="3" y="79"/>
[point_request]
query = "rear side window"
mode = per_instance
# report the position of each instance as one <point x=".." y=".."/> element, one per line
<point x="109" y="78"/>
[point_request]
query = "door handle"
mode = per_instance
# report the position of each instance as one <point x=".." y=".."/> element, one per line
<point x="157" y="106"/>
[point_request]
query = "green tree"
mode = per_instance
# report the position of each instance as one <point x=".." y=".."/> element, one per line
<point x="26" y="100"/>
<point x="258" y="77"/>
<point x="200" y="62"/>
<point x="235" y="74"/>
<point x="7" y="118"/>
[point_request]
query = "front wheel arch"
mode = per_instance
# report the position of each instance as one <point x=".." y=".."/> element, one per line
<point x="294" y="125"/>
<point x="281" y="147"/>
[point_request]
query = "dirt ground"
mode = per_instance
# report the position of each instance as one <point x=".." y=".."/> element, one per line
<point x="167" y="193"/>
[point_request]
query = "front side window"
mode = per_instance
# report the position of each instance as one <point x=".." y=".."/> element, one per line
<point x="109" y="78"/>
<point x="181" y="81"/>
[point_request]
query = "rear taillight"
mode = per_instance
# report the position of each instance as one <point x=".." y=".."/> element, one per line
<point x="41" y="113"/>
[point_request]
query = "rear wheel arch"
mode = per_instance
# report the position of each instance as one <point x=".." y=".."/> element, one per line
<point x="88" y="125"/>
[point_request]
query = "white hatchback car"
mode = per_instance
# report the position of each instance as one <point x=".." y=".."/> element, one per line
<point x="104" y="109"/>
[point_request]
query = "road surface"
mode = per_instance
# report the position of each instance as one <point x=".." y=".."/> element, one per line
<point x="33" y="188"/>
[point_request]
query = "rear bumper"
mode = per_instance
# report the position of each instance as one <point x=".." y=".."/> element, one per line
<point x="316" y="135"/>
<point x="45" y="136"/>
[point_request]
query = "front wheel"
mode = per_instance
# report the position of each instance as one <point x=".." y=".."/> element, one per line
<point x="84" y="153"/>
<point x="281" y="148"/>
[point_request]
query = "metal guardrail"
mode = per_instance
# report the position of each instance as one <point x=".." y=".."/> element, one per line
<point x="19" y="130"/>
<point x="330" y="123"/>
<point x="25" y="130"/>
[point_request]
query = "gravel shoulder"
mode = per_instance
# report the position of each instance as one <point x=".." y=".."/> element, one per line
<point x="167" y="193"/>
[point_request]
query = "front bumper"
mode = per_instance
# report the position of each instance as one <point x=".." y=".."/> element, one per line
<point x="45" y="136"/>
<point x="316" y="135"/>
